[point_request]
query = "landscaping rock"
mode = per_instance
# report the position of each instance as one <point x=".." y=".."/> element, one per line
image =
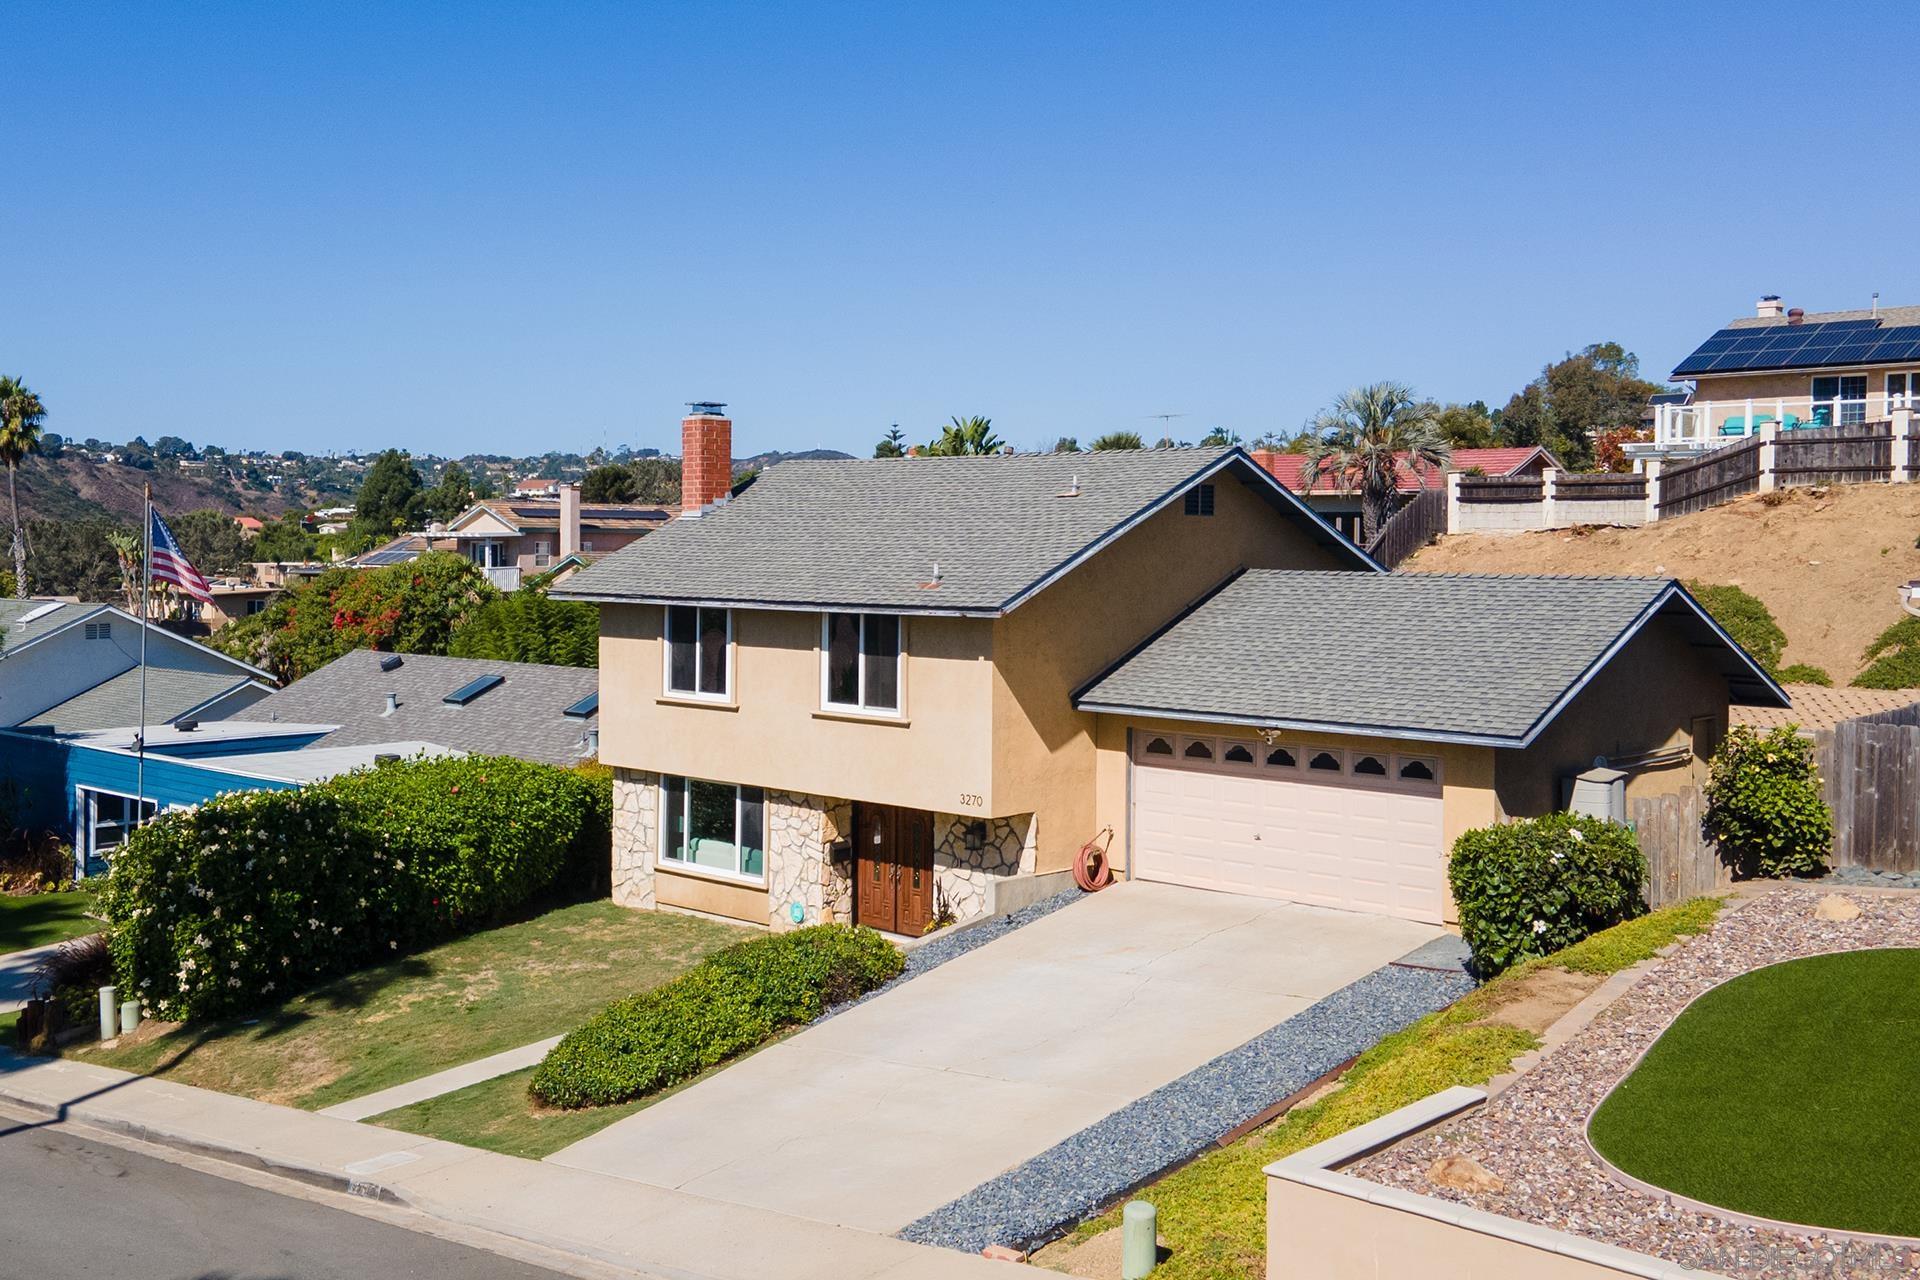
<point x="1464" y="1173"/>
<point x="1836" y="907"/>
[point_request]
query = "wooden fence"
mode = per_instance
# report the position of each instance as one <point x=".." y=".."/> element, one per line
<point x="1855" y="453"/>
<point x="1410" y="528"/>
<point x="1501" y="488"/>
<point x="1681" y="862"/>
<point x="1721" y="476"/>
<point x="1602" y="487"/>
<point x="1870" y="769"/>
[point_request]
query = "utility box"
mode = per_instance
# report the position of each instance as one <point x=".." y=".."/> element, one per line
<point x="1597" y="793"/>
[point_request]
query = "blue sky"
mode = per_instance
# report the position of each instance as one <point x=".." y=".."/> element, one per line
<point x="463" y="227"/>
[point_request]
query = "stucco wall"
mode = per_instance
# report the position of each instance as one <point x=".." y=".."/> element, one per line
<point x="1792" y="386"/>
<point x="773" y="733"/>
<point x="1646" y="699"/>
<point x="1044" y="749"/>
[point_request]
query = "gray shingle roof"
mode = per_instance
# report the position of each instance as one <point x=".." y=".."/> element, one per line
<point x="868" y="533"/>
<point x="1445" y="657"/>
<point x="522" y="716"/>
<point x="171" y="693"/>
<point x="14" y="634"/>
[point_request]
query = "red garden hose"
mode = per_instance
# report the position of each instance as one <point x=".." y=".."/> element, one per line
<point x="1091" y="869"/>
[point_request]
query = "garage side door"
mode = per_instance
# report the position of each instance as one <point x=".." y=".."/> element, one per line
<point x="1355" y="829"/>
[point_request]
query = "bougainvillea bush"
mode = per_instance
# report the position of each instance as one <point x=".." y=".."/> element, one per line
<point x="254" y="895"/>
<point x="1532" y="887"/>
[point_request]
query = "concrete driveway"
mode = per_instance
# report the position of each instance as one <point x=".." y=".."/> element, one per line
<point x="916" y="1097"/>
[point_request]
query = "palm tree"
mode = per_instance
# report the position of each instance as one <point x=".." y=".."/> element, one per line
<point x="966" y="436"/>
<point x="1118" y="440"/>
<point x="127" y="549"/>
<point x="21" y="414"/>
<point x="1364" y="440"/>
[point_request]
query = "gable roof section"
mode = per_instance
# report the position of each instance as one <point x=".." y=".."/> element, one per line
<point x="172" y="692"/>
<point x="525" y="514"/>
<point x="17" y="637"/>
<point x="524" y="715"/>
<point x="868" y="533"/>
<point x="1439" y="657"/>
<point x="1503" y="461"/>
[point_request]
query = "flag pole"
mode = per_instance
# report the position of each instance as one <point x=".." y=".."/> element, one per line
<point x="146" y="603"/>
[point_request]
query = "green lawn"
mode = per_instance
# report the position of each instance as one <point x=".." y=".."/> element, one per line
<point x="1784" y="1093"/>
<point x="498" y="1115"/>
<point x="36" y="919"/>
<point x="1212" y="1212"/>
<point x="463" y="1000"/>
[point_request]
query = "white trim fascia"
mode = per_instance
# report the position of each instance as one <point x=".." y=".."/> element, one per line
<point x="219" y="697"/>
<point x="186" y="762"/>
<point x="1302" y="726"/>
<point x="770" y="606"/>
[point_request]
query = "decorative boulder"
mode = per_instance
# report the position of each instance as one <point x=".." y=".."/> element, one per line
<point x="1464" y="1173"/>
<point x="1836" y="907"/>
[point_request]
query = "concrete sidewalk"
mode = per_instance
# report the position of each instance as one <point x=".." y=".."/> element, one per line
<point x="405" y="1095"/>
<point x="654" y="1232"/>
<point x="18" y="970"/>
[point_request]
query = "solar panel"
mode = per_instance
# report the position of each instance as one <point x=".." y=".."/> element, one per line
<point x="472" y="689"/>
<point x="585" y="707"/>
<point x="1802" y="346"/>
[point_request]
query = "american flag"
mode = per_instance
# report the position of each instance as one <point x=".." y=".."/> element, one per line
<point x="168" y="564"/>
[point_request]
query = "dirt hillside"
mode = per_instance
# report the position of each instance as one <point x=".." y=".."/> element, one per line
<point x="1827" y="562"/>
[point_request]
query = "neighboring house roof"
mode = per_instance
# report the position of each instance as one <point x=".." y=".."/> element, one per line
<point x="1287" y="468"/>
<point x="1816" y="707"/>
<point x="531" y="514"/>
<point x="1818" y="340"/>
<point x="24" y="621"/>
<point x="171" y="694"/>
<point x="404" y="549"/>
<point x="1441" y="657"/>
<point x="250" y="523"/>
<point x="524" y="715"/>
<point x="870" y="533"/>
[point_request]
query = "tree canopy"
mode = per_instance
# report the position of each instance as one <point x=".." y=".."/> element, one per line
<point x="892" y="444"/>
<point x="611" y="483"/>
<point x="966" y="436"/>
<point x="284" y="541"/>
<point x="1361" y="440"/>
<point x="389" y="500"/>
<point x="1588" y="391"/>
<point x="526" y="626"/>
<point x="450" y="497"/>
<point x="1118" y="440"/>
<point x="212" y="542"/>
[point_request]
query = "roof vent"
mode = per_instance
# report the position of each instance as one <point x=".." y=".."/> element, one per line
<point x="393" y="704"/>
<point x="390" y="663"/>
<point x="590" y="742"/>
<point x="186" y="726"/>
<point x="933" y="583"/>
<point x="1795" y="315"/>
<point x="1072" y="490"/>
<point x="387" y="757"/>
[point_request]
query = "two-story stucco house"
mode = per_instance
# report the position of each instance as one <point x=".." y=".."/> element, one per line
<point x="894" y="690"/>
<point x="1792" y="369"/>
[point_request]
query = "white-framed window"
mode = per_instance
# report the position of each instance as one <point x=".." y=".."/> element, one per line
<point x="107" y="818"/>
<point x="256" y="606"/>
<point x="861" y="659"/>
<point x="1840" y="400"/>
<point x="1903" y="391"/>
<point x="699" y="652"/>
<point x="715" y="828"/>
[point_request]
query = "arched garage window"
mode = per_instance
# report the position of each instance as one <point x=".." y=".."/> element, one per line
<point x="1238" y="753"/>
<point x="1371" y="766"/>
<point x="1198" y="750"/>
<point x="1158" y="747"/>
<point x="1326" y="761"/>
<point x="1416" y="771"/>
<point x="1281" y="758"/>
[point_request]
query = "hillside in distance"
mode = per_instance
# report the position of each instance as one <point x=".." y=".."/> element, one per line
<point x="73" y="486"/>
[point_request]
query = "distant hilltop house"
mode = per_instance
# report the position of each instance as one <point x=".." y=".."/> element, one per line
<point x="536" y="487"/>
<point x="513" y="539"/>
<point x="1340" y="506"/>
<point x="1794" y="370"/>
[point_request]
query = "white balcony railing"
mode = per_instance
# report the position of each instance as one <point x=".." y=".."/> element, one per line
<point x="505" y="577"/>
<point x="1708" y="424"/>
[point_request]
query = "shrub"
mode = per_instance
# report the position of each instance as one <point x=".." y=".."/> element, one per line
<point x="727" y="1004"/>
<point x="219" y="907"/>
<point x="1804" y="673"/>
<point x="1893" y="658"/>
<point x="1532" y="887"/>
<point x="1746" y="619"/>
<point x="1764" y="804"/>
<point x="527" y="626"/>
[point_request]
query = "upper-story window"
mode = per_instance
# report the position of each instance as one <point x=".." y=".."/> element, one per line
<point x="699" y="652"/>
<point x="860" y="662"/>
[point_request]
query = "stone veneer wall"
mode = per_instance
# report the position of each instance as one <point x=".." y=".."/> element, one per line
<point x="636" y="829"/>
<point x="965" y="880"/>
<point x="801" y="831"/>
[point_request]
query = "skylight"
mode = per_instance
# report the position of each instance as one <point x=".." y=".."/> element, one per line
<point x="585" y="707"/>
<point x="42" y="611"/>
<point x="472" y="689"/>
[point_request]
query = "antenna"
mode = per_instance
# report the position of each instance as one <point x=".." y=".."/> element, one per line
<point x="1164" y="417"/>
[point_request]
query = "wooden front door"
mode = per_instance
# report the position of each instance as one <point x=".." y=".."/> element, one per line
<point x="893" y="868"/>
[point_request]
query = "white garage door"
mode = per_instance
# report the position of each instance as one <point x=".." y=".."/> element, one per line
<point x="1358" y="829"/>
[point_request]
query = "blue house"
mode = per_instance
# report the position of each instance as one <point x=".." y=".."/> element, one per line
<point x="87" y="783"/>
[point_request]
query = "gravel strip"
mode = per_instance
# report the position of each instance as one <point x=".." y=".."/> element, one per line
<point x="1533" y="1135"/>
<point x="929" y="956"/>
<point x="1103" y="1162"/>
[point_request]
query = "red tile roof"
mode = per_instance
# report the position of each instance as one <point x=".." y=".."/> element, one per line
<point x="1286" y="467"/>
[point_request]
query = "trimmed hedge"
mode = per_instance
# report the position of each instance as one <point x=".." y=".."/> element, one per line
<point x="730" y="1002"/>
<point x="1532" y="887"/>
<point x="254" y="895"/>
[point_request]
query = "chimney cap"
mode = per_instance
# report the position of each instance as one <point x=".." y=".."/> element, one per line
<point x="706" y="408"/>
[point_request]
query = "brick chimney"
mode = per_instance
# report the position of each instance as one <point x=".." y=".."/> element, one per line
<point x="569" y="520"/>
<point x="706" y="456"/>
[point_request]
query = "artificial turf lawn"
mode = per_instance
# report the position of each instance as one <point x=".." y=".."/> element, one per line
<point x="1213" y="1212"/>
<point x="462" y="1000"/>
<point x="36" y="919"/>
<point x="1785" y="1093"/>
